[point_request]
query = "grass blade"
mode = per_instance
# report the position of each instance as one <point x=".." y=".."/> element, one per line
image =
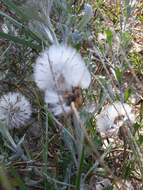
<point x="10" y="18"/>
<point x="15" y="8"/>
<point x="45" y="152"/>
<point x="19" y="41"/>
<point x="32" y="34"/>
<point x="78" y="178"/>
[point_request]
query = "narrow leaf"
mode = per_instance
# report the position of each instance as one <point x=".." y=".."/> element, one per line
<point x="19" y="41"/>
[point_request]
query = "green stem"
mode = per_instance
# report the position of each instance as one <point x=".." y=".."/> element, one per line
<point x="10" y="139"/>
<point x="45" y="154"/>
<point x="78" y="178"/>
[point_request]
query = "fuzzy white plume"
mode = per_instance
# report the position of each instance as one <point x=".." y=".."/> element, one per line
<point x="58" y="109"/>
<point x="59" y="69"/>
<point x="67" y="65"/>
<point x="113" y="117"/>
<point x="15" y="110"/>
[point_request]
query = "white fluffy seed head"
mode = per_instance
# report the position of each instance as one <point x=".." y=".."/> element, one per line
<point x="113" y="117"/>
<point x="58" y="69"/>
<point x="58" y="109"/>
<point x="67" y="66"/>
<point x="15" y="110"/>
<point x="58" y="106"/>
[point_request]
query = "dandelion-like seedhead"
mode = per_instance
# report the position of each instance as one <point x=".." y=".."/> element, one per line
<point x="15" y="110"/>
<point x="113" y="117"/>
<point x="58" y="70"/>
<point x="67" y="66"/>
